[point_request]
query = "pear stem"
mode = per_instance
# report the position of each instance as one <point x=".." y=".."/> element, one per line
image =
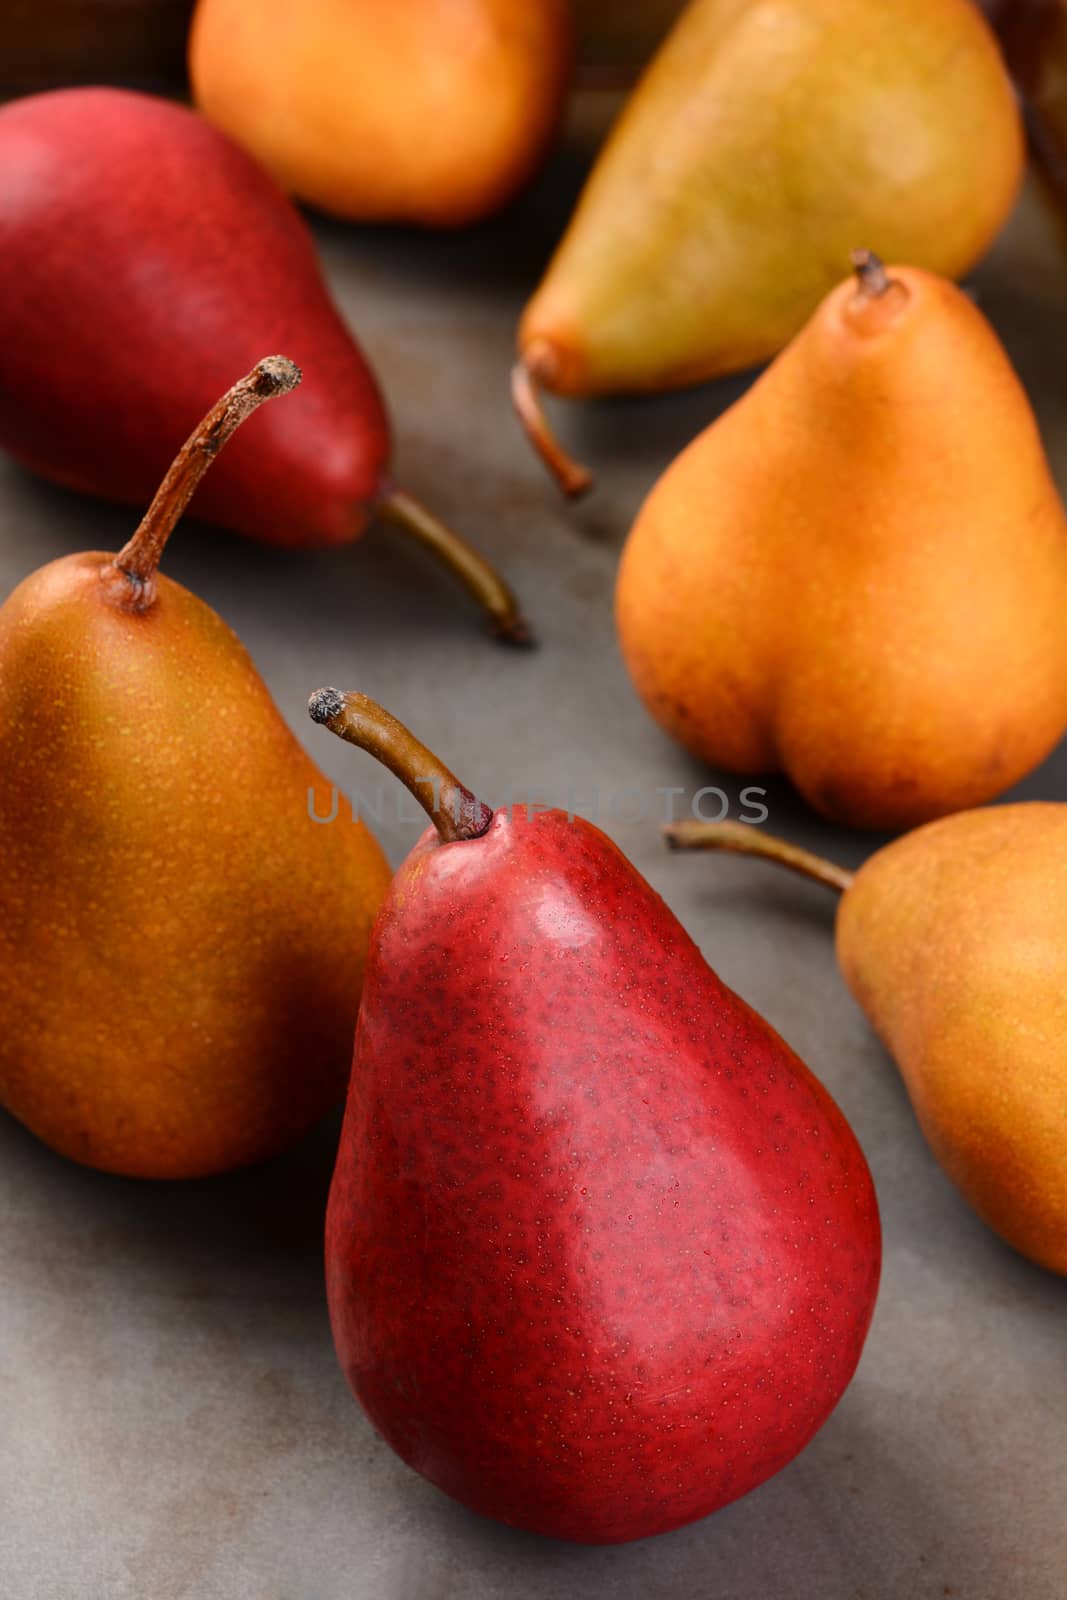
<point x="482" y="581"/>
<point x="454" y="811"/>
<point x="140" y="556"/>
<point x="572" y="477"/>
<point x="872" y="280"/>
<point x="742" y="838"/>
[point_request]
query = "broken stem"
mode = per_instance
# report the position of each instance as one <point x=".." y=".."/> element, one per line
<point x="454" y="811"/>
<point x="140" y="556"/>
<point x="872" y="279"/>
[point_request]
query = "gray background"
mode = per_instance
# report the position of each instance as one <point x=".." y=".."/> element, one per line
<point x="172" y="1420"/>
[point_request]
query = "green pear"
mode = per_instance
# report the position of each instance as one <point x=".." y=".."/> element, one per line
<point x="767" y="139"/>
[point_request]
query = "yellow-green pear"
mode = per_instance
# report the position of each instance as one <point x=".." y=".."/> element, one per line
<point x="766" y="139"/>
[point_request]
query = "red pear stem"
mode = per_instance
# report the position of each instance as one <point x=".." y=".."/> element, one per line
<point x="743" y="839"/>
<point x="140" y="557"/>
<point x="572" y="477"/>
<point x="454" y="811"/>
<point x="872" y="280"/>
<point x="482" y="581"/>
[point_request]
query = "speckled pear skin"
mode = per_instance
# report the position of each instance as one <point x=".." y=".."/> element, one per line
<point x="954" y="941"/>
<point x="789" y="598"/>
<point x="601" y="1252"/>
<point x="181" y="947"/>
<point x="144" y="259"/>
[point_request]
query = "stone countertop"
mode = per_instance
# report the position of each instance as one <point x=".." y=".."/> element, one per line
<point x="174" y="1424"/>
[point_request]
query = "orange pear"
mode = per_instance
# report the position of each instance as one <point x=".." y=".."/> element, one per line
<point x="953" y="939"/>
<point x="858" y="574"/>
<point x="427" y="111"/>
<point x="766" y="139"/>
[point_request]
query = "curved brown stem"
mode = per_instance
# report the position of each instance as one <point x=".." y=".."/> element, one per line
<point x="572" y="477"/>
<point x="872" y="279"/>
<point x="742" y="838"/>
<point x="450" y="806"/>
<point x="482" y="581"/>
<point x="140" y="556"/>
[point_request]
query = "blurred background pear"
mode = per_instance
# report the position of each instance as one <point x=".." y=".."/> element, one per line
<point x="426" y="111"/>
<point x="767" y="139"/>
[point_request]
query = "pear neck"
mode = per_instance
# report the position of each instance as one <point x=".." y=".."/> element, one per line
<point x="136" y="564"/>
<point x="455" y="812"/>
<point x="739" y="838"/>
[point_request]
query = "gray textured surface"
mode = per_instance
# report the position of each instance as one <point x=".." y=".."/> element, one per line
<point x="172" y="1422"/>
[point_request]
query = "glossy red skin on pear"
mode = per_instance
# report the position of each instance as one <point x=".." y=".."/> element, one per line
<point x="601" y="1252"/>
<point x="144" y="259"/>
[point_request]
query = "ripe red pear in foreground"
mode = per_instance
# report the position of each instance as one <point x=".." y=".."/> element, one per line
<point x="953" y="939"/>
<point x="144" y="259"/>
<point x="601" y="1253"/>
<point x="181" y="948"/>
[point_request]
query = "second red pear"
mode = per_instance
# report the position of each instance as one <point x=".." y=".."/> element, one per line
<point x="144" y="259"/>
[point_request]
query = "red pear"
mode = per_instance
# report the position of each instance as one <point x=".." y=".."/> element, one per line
<point x="601" y="1252"/>
<point x="144" y="259"/>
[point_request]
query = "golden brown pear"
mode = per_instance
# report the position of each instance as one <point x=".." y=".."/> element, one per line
<point x="953" y="939"/>
<point x="766" y="139"/>
<point x="181" y="946"/>
<point x="858" y="574"/>
<point x="426" y="111"/>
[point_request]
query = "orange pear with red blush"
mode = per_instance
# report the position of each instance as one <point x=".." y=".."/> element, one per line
<point x="857" y="575"/>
